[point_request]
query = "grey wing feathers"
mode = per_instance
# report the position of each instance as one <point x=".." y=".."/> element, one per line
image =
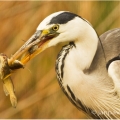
<point x="111" y="45"/>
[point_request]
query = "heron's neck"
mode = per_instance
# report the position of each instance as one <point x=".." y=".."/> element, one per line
<point x="86" y="48"/>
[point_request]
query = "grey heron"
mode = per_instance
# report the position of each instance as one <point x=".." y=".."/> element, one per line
<point x="88" y="68"/>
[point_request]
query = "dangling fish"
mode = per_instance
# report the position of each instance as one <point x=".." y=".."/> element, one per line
<point x="5" y="73"/>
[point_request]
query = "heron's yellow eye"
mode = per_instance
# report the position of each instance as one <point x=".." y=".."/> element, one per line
<point x="55" y="27"/>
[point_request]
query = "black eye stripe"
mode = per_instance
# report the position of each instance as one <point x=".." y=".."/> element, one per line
<point x="62" y="18"/>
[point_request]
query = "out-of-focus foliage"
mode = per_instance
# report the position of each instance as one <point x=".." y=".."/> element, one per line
<point x="37" y="90"/>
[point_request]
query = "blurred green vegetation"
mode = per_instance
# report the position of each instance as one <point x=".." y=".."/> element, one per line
<point x="37" y="90"/>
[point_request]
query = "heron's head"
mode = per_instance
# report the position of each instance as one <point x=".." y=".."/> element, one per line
<point x="58" y="27"/>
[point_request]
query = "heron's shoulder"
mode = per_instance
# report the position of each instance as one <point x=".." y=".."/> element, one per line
<point x="111" y="45"/>
<point x="110" y="34"/>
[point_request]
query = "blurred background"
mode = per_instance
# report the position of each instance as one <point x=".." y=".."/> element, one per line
<point x="36" y="86"/>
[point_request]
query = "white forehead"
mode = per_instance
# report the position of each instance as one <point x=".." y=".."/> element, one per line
<point x="43" y="24"/>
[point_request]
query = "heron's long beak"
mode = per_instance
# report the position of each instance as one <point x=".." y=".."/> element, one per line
<point x="36" y="44"/>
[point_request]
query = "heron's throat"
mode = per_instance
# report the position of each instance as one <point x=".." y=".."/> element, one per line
<point x="86" y="49"/>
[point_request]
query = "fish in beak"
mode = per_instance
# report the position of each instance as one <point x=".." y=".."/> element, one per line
<point x="36" y="44"/>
